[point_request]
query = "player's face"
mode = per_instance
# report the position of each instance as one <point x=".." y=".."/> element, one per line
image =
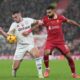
<point x="17" y="17"/>
<point x="50" y="13"/>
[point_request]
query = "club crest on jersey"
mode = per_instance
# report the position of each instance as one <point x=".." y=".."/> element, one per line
<point x="57" y="21"/>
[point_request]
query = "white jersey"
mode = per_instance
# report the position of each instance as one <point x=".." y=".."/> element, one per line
<point x="18" y="28"/>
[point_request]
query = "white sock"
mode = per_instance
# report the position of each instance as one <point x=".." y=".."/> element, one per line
<point x="13" y="73"/>
<point x="39" y="65"/>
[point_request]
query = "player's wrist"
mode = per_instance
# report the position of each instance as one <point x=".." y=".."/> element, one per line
<point x="29" y="31"/>
<point x="40" y="22"/>
<point x="4" y="34"/>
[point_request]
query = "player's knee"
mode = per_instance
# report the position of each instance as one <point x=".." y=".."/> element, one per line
<point x="47" y="52"/>
<point x="37" y="55"/>
<point x="15" y="67"/>
<point x="68" y="55"/>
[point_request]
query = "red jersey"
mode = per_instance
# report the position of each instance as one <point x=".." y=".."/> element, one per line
<point x="54" y="28"/>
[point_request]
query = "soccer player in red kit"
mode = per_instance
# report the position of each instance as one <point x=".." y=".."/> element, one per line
<point x="55" y="39"/>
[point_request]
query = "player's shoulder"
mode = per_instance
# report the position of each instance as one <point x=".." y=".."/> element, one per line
<point x="61" y="16"/>
<point x="14" y="24"/>
<point x="27" y="18"/>
<point x="45" y="18"/>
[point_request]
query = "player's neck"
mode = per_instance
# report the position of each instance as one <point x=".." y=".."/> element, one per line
<point x="21" y="19"/>
<point x="54" y="16"/>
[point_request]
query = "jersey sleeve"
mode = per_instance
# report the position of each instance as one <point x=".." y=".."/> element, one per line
<point x="12" y="29"/>
<point x="64" y="19"/>
<point x="31" y="20"/>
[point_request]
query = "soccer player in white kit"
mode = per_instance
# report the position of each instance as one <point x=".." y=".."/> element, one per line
<point x="24" y="43"/>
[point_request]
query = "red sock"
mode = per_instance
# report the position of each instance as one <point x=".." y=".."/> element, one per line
<point x="71" y="64"/>
<point x="46" y="61"/>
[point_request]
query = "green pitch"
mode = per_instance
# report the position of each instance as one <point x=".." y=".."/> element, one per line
<point x="27" y="71"/>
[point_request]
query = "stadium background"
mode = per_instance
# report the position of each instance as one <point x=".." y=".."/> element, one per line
<point x="36" y="9"/>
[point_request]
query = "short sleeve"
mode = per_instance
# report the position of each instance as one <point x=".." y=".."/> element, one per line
<point x="64" y="19"/>
<point x="31" y="20"/>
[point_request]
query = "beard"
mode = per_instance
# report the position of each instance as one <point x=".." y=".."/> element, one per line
<point x="51" y="16"/>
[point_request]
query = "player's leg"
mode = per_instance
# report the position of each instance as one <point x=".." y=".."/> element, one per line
<point x="47" y="51"/>
<point x="15" y="66"/>
<point x="18" y="56"/>
<point x="46" y="62"/>
<point x="66" y="52"/>
<point x="72" y="65"/>
<point x="38" y="59"/>
<point x="46" y="58"/>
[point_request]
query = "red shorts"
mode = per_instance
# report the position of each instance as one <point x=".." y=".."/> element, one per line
<point x="61" y="46"/>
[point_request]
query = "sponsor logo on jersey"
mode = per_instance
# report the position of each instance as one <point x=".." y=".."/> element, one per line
<point x="53" y="27"/>
<point x="23" y="28"/>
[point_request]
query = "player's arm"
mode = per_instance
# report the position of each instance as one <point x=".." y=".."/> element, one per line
<point x="35" y="24"/>
<point x="2" y="32"/>
<point x="11" y="31"/>
<point x="73" y="22"/>
<point x="5" y="34"/>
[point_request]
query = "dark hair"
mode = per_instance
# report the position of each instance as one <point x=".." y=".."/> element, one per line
<point x="15" y="11"/>
<point x="52" y="6"/>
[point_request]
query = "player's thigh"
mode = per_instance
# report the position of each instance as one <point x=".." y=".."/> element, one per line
<point x="20" y="52"/>
<point x="64" y="49"/>
<point x="33" y="50"/>
<point x="48" y="47"/>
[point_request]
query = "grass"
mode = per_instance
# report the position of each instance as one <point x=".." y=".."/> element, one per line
<point x="27" y="71"/>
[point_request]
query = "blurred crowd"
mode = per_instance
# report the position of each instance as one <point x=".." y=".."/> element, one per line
<point x="36" y="9"/>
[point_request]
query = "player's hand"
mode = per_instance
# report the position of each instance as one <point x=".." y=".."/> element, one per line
<point x="25" y="33"/>
<point x="40" y="22"/>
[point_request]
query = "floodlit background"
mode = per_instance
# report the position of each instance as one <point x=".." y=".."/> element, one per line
<point x="36" y="9"/>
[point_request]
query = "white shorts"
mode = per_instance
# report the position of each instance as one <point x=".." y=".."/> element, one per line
<point x="21" y="50"/>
